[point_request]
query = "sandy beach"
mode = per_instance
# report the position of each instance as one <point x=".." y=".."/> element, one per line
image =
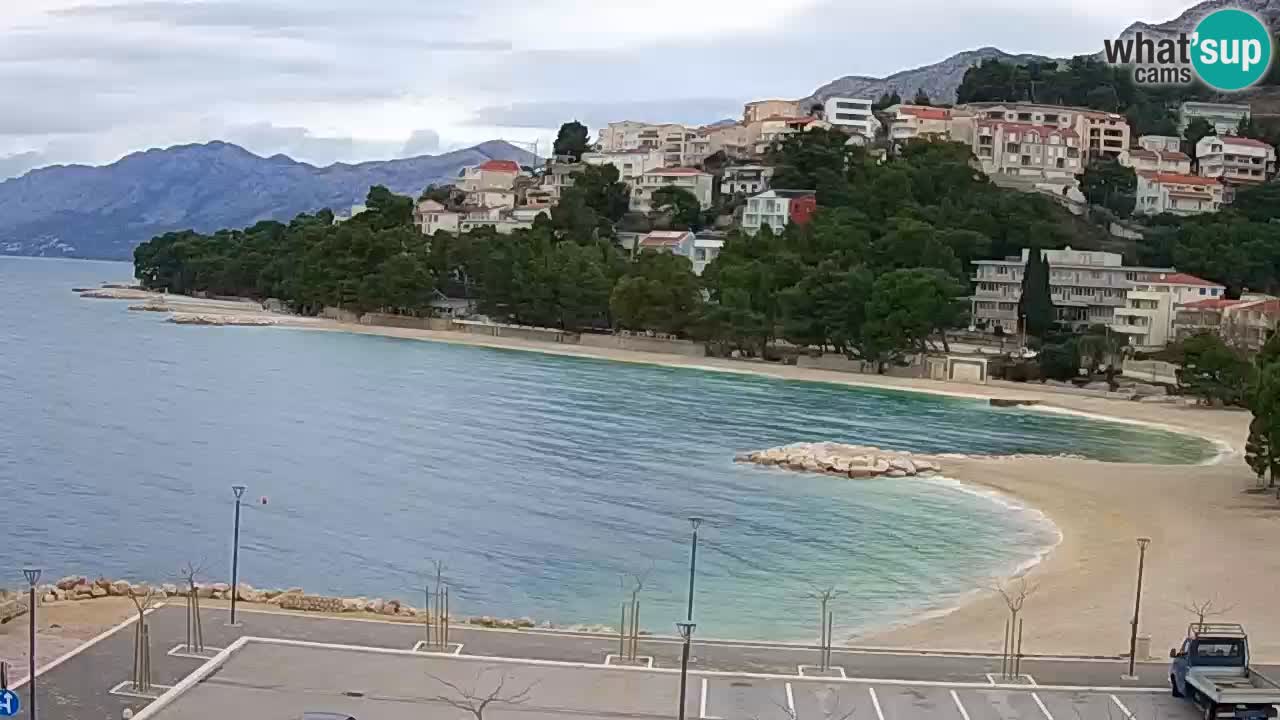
<point x="1211" y="537"/>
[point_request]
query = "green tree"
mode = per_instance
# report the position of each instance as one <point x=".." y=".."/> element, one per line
<point x="1264" y="430"/>
<point x="1258" y="450"/>
<point x="1108" y="183"/>
<point x="921" y="98"/>
<point x="887" y="99"/>
<point x="572" y="140"/>
<point x="1195" y="130"/>
<point x="658" y="292"/>
<point x="1035" y="306"/>
<point x="1214" y="372"/>
<point x="682" y="205"/>
<point x="908" y="307"/>
<point x="602" y="190"/>
<point x="827" y="308"/>
<point x="1060" y="360"/>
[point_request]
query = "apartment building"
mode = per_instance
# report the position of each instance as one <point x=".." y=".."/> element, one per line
<point x="431" y="216"/>
<point x="492" y="175"/>
<point x="766" y="132"/>
<point x="679" y="145"/>
<point x="735" y="140"/>
<point x="745" y="179"/>
<point x="762" y="109"/>
<point x="776" y="208"/>
<point x="1157" y="153"/>
<point x="1235" y="160"/>
<point x="1147" y="319"/>
<point x="1223" y="117"/>
<point x="1106" y="135"/>
<point x="631" y="164"/>
<point x="1245" y="323"/>
<point x="853" y="115"/>
<point x="1160" y="192"/>
<point x="705" y="249"/>
<point x="691" y="179"/>
<point x="1086" y="286"/>
<point x="1028" y="150"/>
<point x="1100" y="134"/>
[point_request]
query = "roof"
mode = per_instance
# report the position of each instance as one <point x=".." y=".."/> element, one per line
<point x="510" y="166"/>
<point x="786" y="194"/>
<point x="1161" y="154"/>
<point x="1250" y="142"/>
<point x="1178" y="178"/>
<point x="925" y="113"/>
<point x="1210" y="304"/>
<point x="668" y="234"/>
<point x="675" y="171"/>
<point x="1023" y="126"/>
<point x="1178" y="278"/>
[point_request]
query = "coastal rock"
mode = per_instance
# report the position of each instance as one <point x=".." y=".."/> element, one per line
<point x="82" y="588"/>
<point x="214" y="319"/>
<point x="375" y="605"/>
<point x="354" y="604"/>
<point x="220" y="587"/>
<point x="853" y="461"/>
<point x="392" y="607"/>
<point x="169" y="589"/>
<point x="102" y="583"/>
<point x="98" y="591"/>
<point x="119" y="588"/>
<point x="69" y="582"/>
<point x="204" y="592"/>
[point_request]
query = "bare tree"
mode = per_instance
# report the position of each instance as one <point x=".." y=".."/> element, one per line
<point x="195" y="629"/>
<point x="1203" y="609"/>
<point x="475" y="700"/>
<point x="829" y="703"/>
<point x="1015" y="594"/>
<point x="142" y="597"/>
<point x="824" y="596"/>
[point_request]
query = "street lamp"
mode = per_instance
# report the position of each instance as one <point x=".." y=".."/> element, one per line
<point x="693" y="563"/>
<point x="1143" y="542"/>
<point x="235" y="552"/>
<point x="686" y="633"/>
<point x="33" y="577"/>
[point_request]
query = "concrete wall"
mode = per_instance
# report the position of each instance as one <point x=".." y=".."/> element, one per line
<point x="1151" y="371"/>
<point x="645" y="344"/>
<point x="333" y="313"/>
<point x="840" y="363"/>
<point x="405" y="321"/>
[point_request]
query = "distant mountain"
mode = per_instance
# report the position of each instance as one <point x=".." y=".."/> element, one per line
<point x="103" y="212"/>
<point x="1268" y="10"/>
<point x="938" y="80"/>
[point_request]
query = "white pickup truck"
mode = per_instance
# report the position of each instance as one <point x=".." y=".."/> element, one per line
<point x="1211" y="669"/>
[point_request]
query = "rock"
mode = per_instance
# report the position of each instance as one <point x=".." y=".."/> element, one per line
<point x="48" y="598"/>
<point x="270" y="594"/>
<point x="392" y="607"/>
<point x="375" y="605"/>
<point x="525" y="622"/>
<point x="204" y="592"/>
<point x="353" y="604"/>
<point x="70" y="582"/>
<point x="895" y="474"/>
<point x="58" y="593"/>
<point x="119" y="588"/>
<point x="102" y="583"/>
<point x="83" y="588"/>
<point x="408" y="611"/>
<point x="220" y="587"/>
<point x="881" y="466"/>
<point x="98" y="592"/>
<point x="1098" y="385"/>
<point x="140" y="590"/>
<point x="861" y="472"/>
<point x="294" y="591"/>
<point x="248" y="594"/>
<point x="169" y="589"/>
<point x="903" y="464"/>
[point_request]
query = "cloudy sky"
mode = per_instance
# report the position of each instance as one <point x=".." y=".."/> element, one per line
<point x="341" y="80"/>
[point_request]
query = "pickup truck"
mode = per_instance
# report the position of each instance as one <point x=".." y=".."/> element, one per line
<point x="1211" y="669"/>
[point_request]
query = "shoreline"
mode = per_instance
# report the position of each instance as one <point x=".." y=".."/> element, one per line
<point x="1205" y="526"/>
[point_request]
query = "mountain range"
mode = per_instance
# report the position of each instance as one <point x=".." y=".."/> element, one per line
<point x="103" y="212"/>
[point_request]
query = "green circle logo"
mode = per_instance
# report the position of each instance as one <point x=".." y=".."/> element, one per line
<point x="1232" y="49"/>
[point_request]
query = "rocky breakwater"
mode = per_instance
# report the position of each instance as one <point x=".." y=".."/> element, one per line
<point x="216" y="319"/>
<point x="854" y="461"/>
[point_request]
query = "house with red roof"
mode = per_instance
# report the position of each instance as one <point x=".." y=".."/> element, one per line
<point x="1157" y="153"/>
<point x="493" y="175"/>
<point x="912" y="121"/>
<point x="1028" y="150"/>
<point x="1150" y="311"/>
<point x="1245" y="323"/>
<point x="1236" y="160"/>
<point x="1176" y="193"/>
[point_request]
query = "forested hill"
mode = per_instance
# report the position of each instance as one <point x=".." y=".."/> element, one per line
<point x="103" y="212"/>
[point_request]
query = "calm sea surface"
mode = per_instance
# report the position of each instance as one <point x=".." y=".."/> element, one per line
<point x="538" y="480"/>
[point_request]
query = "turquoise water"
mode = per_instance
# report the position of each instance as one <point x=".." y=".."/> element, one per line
<point x="538" y="479"/>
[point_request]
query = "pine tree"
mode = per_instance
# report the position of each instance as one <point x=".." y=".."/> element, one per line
<point x="1035" y="307"/>
<point x="1257" y="449"/>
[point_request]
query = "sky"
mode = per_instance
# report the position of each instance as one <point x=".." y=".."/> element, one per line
<point x="323" y="81"/>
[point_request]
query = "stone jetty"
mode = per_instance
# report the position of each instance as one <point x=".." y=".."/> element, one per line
<point x="854" y="461"/>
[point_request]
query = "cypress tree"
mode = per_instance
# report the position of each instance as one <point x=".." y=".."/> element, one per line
<point x="1035" y="307"/>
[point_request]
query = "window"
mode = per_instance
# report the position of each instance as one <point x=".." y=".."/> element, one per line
<point x="1213" y="292"/>
<point x="700" y="254"/>
<point x="1203" y="292"/>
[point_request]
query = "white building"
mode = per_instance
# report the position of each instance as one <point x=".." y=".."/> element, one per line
<point x="691" y="179"/>
<point x="1176" y="193"/>
<point x="1147" y="319"/>
<point x="431" y="216"/>
<point x="852" y="115"/>
<point x="678" y="144"/>
<point x="1087" y="286"/>
<point x="923" y="121"/>
<point x="1223" y="117"/>
<point x="745" y="179"/>
<point x="1028" y="150"/>
<point x="491" y="175"/>
<point x="631" y="164"/>
<point x="1157" y="153"/>
<point x="1235" y="160"/>
<point x="704" y="251"/>
<point x="776" y="208"/>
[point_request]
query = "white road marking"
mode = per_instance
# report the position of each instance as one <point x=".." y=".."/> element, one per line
<point x="84" y="646"/>
<point x="1128" y="715"/>
<point x="875" y="702"/>
<point x="959" y="705"/>
<point x="610" y="659"/>
<point x="791" y="701"/>
<point x="1043" y="709"/>
<point x="1029" y="679"/>
<point x="181" y="651"/>
<point x="122" y="688"/>
<point x="702" y="708"/>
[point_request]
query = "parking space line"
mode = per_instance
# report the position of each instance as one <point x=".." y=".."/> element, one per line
<point x="1043" y="709"/>
<point x="875" y="702"/>
<point x="959" y="705"/>
<point x="1128" y="715"/>
<point x="610" y="659"/>
<point x="1030" y="679"/>
<point x="180" y="650"/>
<point x="791" y="701"/>
<point x="702" y="708"/>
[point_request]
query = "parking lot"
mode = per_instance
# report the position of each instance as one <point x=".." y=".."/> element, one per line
<point x="279" y="679"/>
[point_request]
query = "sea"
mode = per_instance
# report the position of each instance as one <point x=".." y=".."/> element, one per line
<point x="548" y="486"/>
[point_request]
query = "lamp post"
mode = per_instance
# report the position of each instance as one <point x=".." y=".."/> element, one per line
<point x="686" y="633"/>
<point x="33" y="577"/>
<point x="235" y="552"/>
<point x="693" y="563"/>
<point x="1143" y="542"/>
